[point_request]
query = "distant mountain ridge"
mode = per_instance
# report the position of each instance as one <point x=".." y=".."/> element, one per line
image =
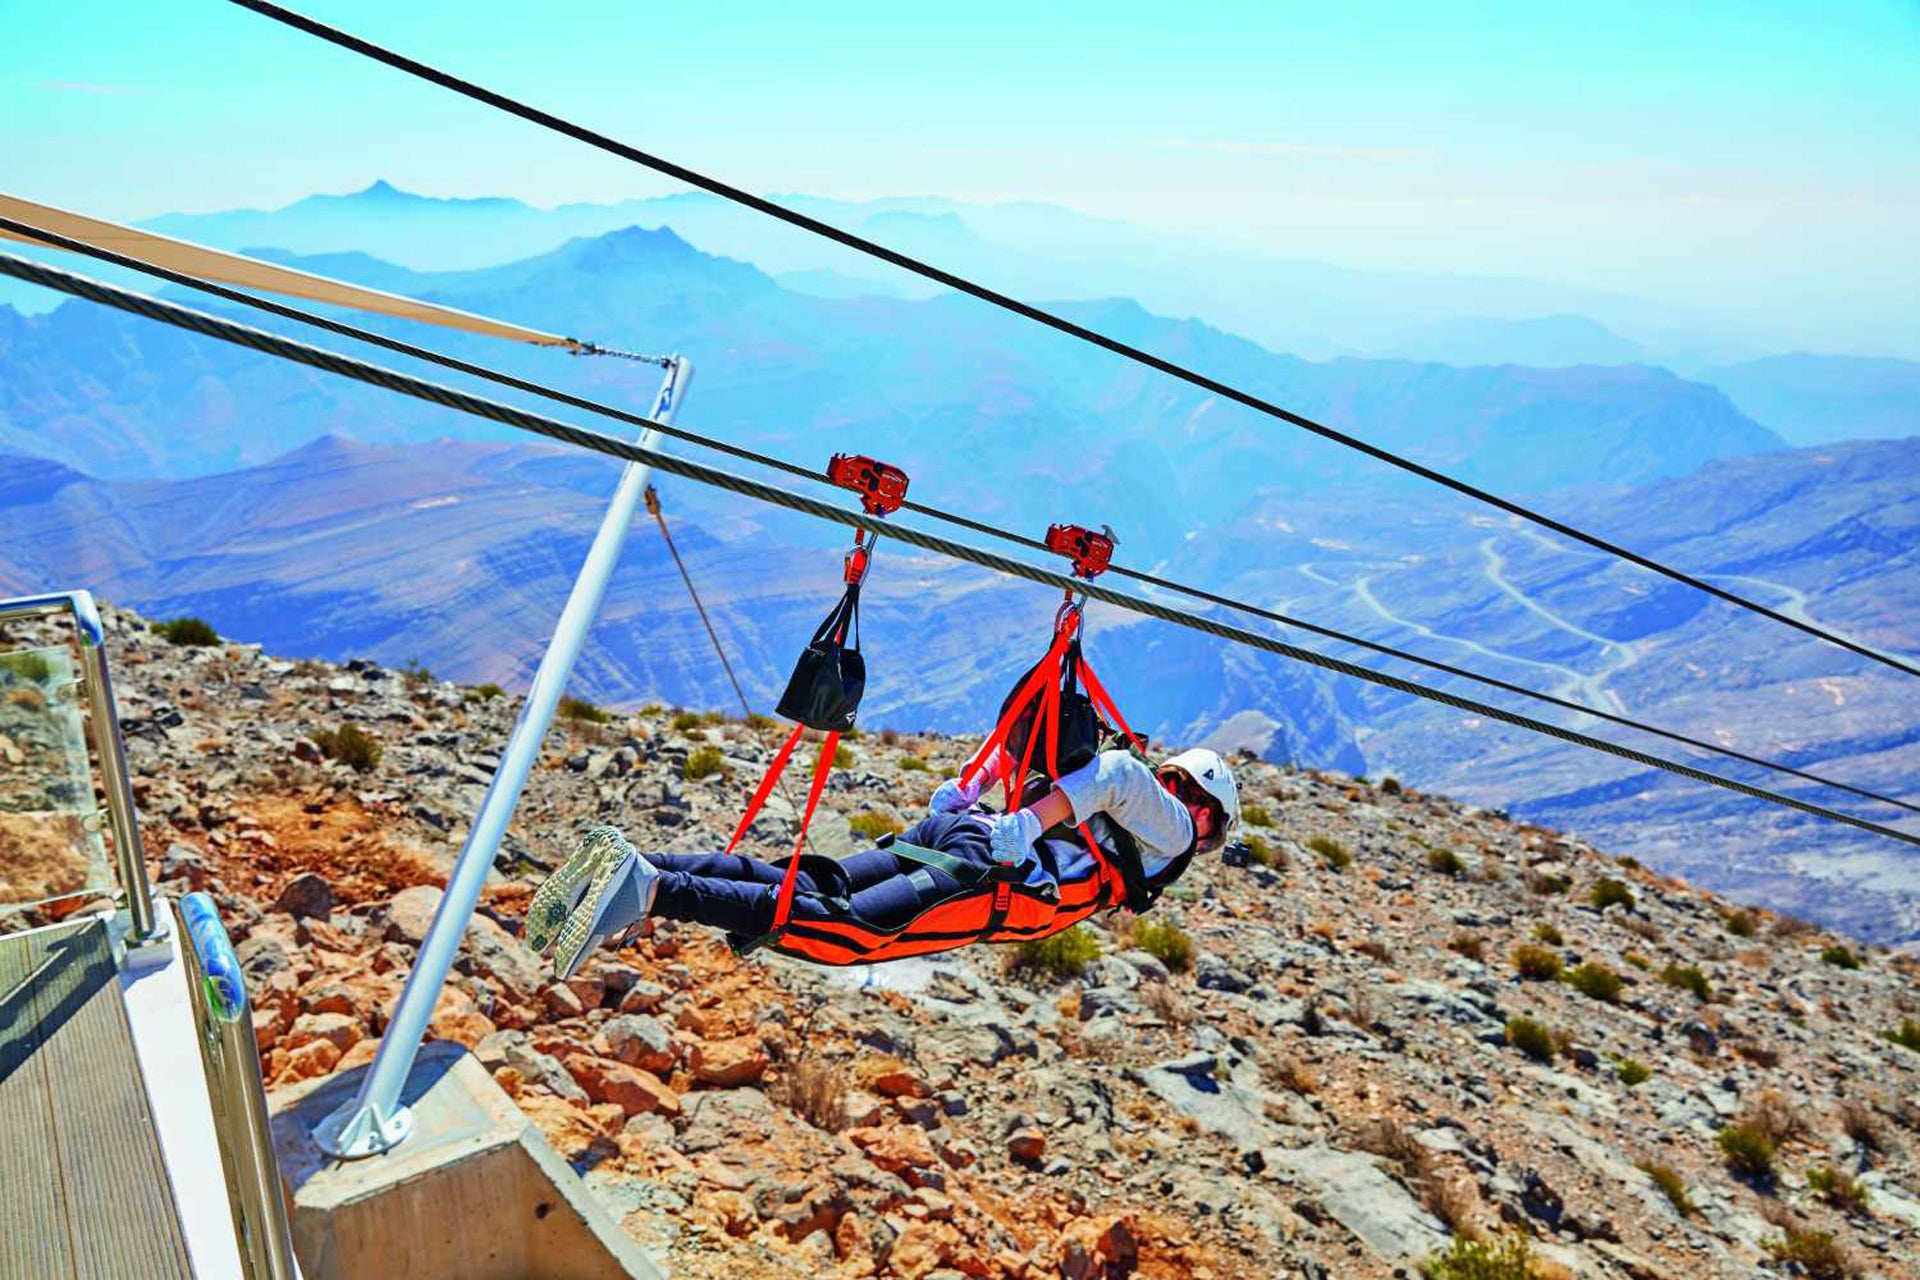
<point x="907" y="376"/>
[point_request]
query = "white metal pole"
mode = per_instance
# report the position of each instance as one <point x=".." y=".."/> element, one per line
<point x="376" y="1120"/>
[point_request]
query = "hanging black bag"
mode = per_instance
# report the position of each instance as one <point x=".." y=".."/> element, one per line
<point x="1079" y="730"/>
<point x="827" y="682"/>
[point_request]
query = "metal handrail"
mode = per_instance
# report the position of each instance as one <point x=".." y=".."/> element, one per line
<point x="103" y="721"/>
<point x="224" y="1019"/>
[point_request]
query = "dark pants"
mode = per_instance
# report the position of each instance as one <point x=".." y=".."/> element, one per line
<point x="737" y="893"/>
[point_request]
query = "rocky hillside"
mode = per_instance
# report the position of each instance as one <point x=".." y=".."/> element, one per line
<point x="1410" y="1024"/>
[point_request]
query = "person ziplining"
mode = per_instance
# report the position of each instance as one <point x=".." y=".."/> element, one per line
<point x="1089" y="823"/>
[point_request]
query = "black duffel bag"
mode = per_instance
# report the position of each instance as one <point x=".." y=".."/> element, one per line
<point x="827" y="682"/>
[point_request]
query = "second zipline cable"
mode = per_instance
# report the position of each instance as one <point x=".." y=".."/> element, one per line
<point x="507" y="415"/>
<point x="759" y="459"/>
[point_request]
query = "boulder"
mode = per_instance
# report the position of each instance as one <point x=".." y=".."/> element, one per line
<point x="306" y="896"/>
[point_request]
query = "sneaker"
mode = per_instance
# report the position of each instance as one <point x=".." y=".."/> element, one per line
<point x="618" y="897"/>
<point x="561" y="892"/>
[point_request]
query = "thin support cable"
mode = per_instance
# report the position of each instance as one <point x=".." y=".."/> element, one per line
<point x="1038" y="315"/>
<point x="508" y="415"/>
<point x="747" y="455"/>
<point x="720" y="650"/>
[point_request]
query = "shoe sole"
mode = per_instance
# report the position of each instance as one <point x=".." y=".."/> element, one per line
<point x="561" y="892"/>
<point x="578" y="934"/>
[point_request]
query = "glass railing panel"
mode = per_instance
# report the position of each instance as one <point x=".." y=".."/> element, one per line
<point x="52" y="841"/>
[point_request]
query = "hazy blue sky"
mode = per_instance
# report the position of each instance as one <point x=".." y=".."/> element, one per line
<point x="1724" y="155"/>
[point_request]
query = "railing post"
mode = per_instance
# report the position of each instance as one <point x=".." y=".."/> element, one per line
<point x="375" y="1120"/>
<point x="224" y="1017"/>
<point x="128" y="851"/>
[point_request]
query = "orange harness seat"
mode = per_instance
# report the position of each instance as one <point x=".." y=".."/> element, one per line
<point x="993" y="904"/>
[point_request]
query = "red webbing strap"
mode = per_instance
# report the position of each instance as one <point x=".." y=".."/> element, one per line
<point x="1103" y="702"/>
<point x="774" y="770"/>
<point x="783" y="905"/>
<point x="1050" y="711"/>
<point x="1047" y="669"/>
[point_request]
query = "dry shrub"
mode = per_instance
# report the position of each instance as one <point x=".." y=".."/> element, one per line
<point x="1376" y="949"/>
<point x="1838" y="1189"/>
<point x="1818" y="1254"/>
<point x="1859" y="1123"/>
<point x="1290" y="1073"/>
<point x="817" y="1091"/>
<point x="1323" y="930"/>
<point x="1787" y="927"/>
<point x="1759" y="1055"/>
<point x="1470" y="945"/>
<point x="1774" y="1117"/>
<point x="1388" y="1139"/>
<point x="1645" y="930"/>
<point x="1166" y="1004"/>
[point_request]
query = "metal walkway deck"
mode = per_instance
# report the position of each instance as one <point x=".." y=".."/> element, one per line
<point x="87" y="1196"/>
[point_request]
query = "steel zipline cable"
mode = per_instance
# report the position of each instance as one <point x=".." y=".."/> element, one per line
<point x="1039" y="315"/>
<point x="507" y="415"/>
<point x="747" y="455"/>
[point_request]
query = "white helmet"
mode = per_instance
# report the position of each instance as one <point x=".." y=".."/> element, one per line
<point x="1211" y="774"/>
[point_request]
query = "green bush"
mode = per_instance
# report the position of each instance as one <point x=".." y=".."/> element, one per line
<point x="351" y="746"/>
<point x="1063" y="955"/>
<point x="1672" y="1186"/>
<point x="1166" y="942"/>
<point x="1906" y="1035"/>
<point x="1596" y="982"/>
<point x="914" y="764"/>
<point x="1331" y="852"/>
<point x="684" y="720"/>
<point x="1638" y="961"/>
<point x="703" y="762"/>
<point x="871" y="824"/>
<point x="1838" y="1189"/>
<point x="1549" y="934"/>
<point x="1840" y="958"/>
<point x="1536" y="964"/>
<point x="852" y="733"/>
<point x="1633" y="1073"/>
<point x="1445" y="861"/>
<point x="1390" y="785"/>
<point x="486" y="692"/>
<point x="190" y="632"/>
<point x="1628" y="861"/>
<point x="415" y="674"/>
<point x="1687" y="978"/>
<point x="843" y="757"/>
<point x="1532" y="1038"/>
<point x="759" y="721"/>
<point x="33" y="668"/>
<point x="1820" y="1257"/>
<point x="1608" y="892"/>
<point x="1747" y="1151"/>
<point x="1508" y="1256"/>
<point x="1739" y="923"/>
<point x="1262" y="854"/>
<point x="652" y="709"/>
<point x="581" y="709"/>
<point x="1256" y="815"/>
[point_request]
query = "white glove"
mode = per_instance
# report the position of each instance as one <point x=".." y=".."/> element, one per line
<point x="1013" y="837"/>
<point x="954" y="796"/>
